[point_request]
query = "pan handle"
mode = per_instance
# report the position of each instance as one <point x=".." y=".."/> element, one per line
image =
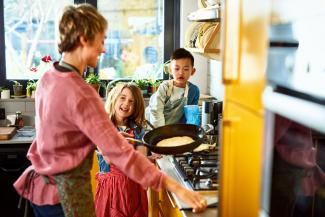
<point x="204" y="130"/>
<point x="133" y="139"/>
<point x="208" y="128"/>
<point x="138" y="141"/>
<point x="150" y="124"/>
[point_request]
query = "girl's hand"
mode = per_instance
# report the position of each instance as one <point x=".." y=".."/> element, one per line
<point x="127" y="135"/>
<point x="153" y="157"/>
<point x="194" y="199"/>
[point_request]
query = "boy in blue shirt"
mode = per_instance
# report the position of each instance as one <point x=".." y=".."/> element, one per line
<point x="166" y="105"/>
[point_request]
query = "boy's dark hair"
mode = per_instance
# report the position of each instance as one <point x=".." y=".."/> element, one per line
<point x="181" y="53"/>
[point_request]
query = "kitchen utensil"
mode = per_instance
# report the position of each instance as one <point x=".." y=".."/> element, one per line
<point x="205" y="147"/>
<point x="26" y="131"/>
<point x="167" y="150"/>
<point x="206" y="28"/>
<point x="7" y="132"/>
<point x="152" y="137"/>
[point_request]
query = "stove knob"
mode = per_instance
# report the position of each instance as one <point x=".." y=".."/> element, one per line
<point x="189" y="172"/>
<point x="209" y="182"/>
<point x="194" y="161"/>
<point x="182" y="162"/>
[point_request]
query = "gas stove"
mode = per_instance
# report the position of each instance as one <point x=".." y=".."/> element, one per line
<point x="200" y="170"/>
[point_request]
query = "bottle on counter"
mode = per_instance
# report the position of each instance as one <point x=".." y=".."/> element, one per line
<point x="19" y="121"/>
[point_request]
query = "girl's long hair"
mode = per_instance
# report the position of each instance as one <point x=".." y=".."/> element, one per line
<point x="137" y="117"/>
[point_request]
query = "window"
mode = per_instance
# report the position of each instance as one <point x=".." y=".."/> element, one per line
<point x="30" y="34"/>
<point x="139" y="40"/>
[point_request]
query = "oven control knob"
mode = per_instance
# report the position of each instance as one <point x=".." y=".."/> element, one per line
<point x="209" y="182"/>
<point x="194" y="161"/>
<point x="189" y="172"/>
<point x="182" y="162"/>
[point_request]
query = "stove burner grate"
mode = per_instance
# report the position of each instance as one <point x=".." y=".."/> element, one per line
<point x="200" y="170"/>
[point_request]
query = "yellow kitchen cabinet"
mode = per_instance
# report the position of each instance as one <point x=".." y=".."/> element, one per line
<point x="162" y="204"/>
<point x="241" y="151"/>
<point x="167" y="205"/>
<point x="93" y="172"/>
<point x="153" y="198"/>
<point x="244" y="57"/>
<point x="244" y="51"/>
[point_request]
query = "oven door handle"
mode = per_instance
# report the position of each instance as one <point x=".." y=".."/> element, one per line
<point x="302" y="111"/>
<point x="4" y="169"/>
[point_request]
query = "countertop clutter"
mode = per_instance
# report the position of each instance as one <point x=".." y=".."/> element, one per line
<point x="167" y="165"/>
<point x="7" y="132"/>
<point x="24" y="135"/>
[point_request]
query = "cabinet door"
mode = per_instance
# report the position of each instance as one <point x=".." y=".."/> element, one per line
<point x="240" y="162"/>
<point x="167" y="206"/>
<point x="153" y="203"/>
<point x="244" y="52"/>
<point x="93" y="172"/>
<point x="13" y="163"/>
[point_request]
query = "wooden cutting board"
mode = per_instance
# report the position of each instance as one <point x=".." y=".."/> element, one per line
<point x="7" y="132"/>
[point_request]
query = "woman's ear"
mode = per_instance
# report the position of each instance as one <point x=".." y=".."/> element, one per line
<point x="83" y="40"/>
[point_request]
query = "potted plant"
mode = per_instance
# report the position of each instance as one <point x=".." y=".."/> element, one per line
<point x="93" y="80"/>
<point x="17" y="88"/>
<point x="5" y="93"/>
<point x="31" y="88"/>
<point x="153" y="85"/>
<point x="143" y="85"/>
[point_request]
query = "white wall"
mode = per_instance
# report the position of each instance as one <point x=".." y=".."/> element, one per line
<point x="216" y="87"/>
<point x="200" y="63"/>
<point x="208" y="76"/>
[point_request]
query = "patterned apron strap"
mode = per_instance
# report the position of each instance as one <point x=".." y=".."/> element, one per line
<point x="170" y="88"/>
<point x="186" y="93"/>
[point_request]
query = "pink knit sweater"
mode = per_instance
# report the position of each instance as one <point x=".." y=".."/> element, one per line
<point x="70" y="118"/>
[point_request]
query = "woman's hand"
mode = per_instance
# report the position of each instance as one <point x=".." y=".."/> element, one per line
<point x="194" y="199"/>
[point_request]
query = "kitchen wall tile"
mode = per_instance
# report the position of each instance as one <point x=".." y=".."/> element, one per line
<point x="30" y="106"/>
<point x="15" y="106"/>
<point x="29" y="119"/>
<point x="26" y="106"/>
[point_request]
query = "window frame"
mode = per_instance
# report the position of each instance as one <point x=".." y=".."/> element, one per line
<point x="171" y="35"/>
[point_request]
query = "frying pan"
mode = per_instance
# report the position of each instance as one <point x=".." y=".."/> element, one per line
<point x="152" y="137"/>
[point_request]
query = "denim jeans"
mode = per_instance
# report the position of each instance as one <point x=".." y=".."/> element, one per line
<point x="48" y="210"/>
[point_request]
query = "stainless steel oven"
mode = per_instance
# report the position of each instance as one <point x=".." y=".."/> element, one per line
<point x="294" y="101"/>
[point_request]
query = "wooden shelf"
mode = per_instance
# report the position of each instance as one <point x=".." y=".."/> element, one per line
<point x="209" y="14"/>
<point x="203" y="50"/>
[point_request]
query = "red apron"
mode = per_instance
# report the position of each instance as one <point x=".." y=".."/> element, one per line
<point x="119" y="196"/>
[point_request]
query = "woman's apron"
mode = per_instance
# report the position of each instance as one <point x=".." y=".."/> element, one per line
<point x="173" y="110"/>
<point x="75" y="192"/>
<point x="74" y="189"/>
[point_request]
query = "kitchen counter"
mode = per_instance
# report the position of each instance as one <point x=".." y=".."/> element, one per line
<point x="166" y="165"/>
<point x="18" y="139"/>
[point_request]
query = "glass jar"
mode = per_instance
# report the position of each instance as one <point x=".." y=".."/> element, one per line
<point x="19" y="121"/>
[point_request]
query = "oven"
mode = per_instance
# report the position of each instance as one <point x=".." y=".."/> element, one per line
<point x="13" y="162"/>
<point x="293" y="182"/>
